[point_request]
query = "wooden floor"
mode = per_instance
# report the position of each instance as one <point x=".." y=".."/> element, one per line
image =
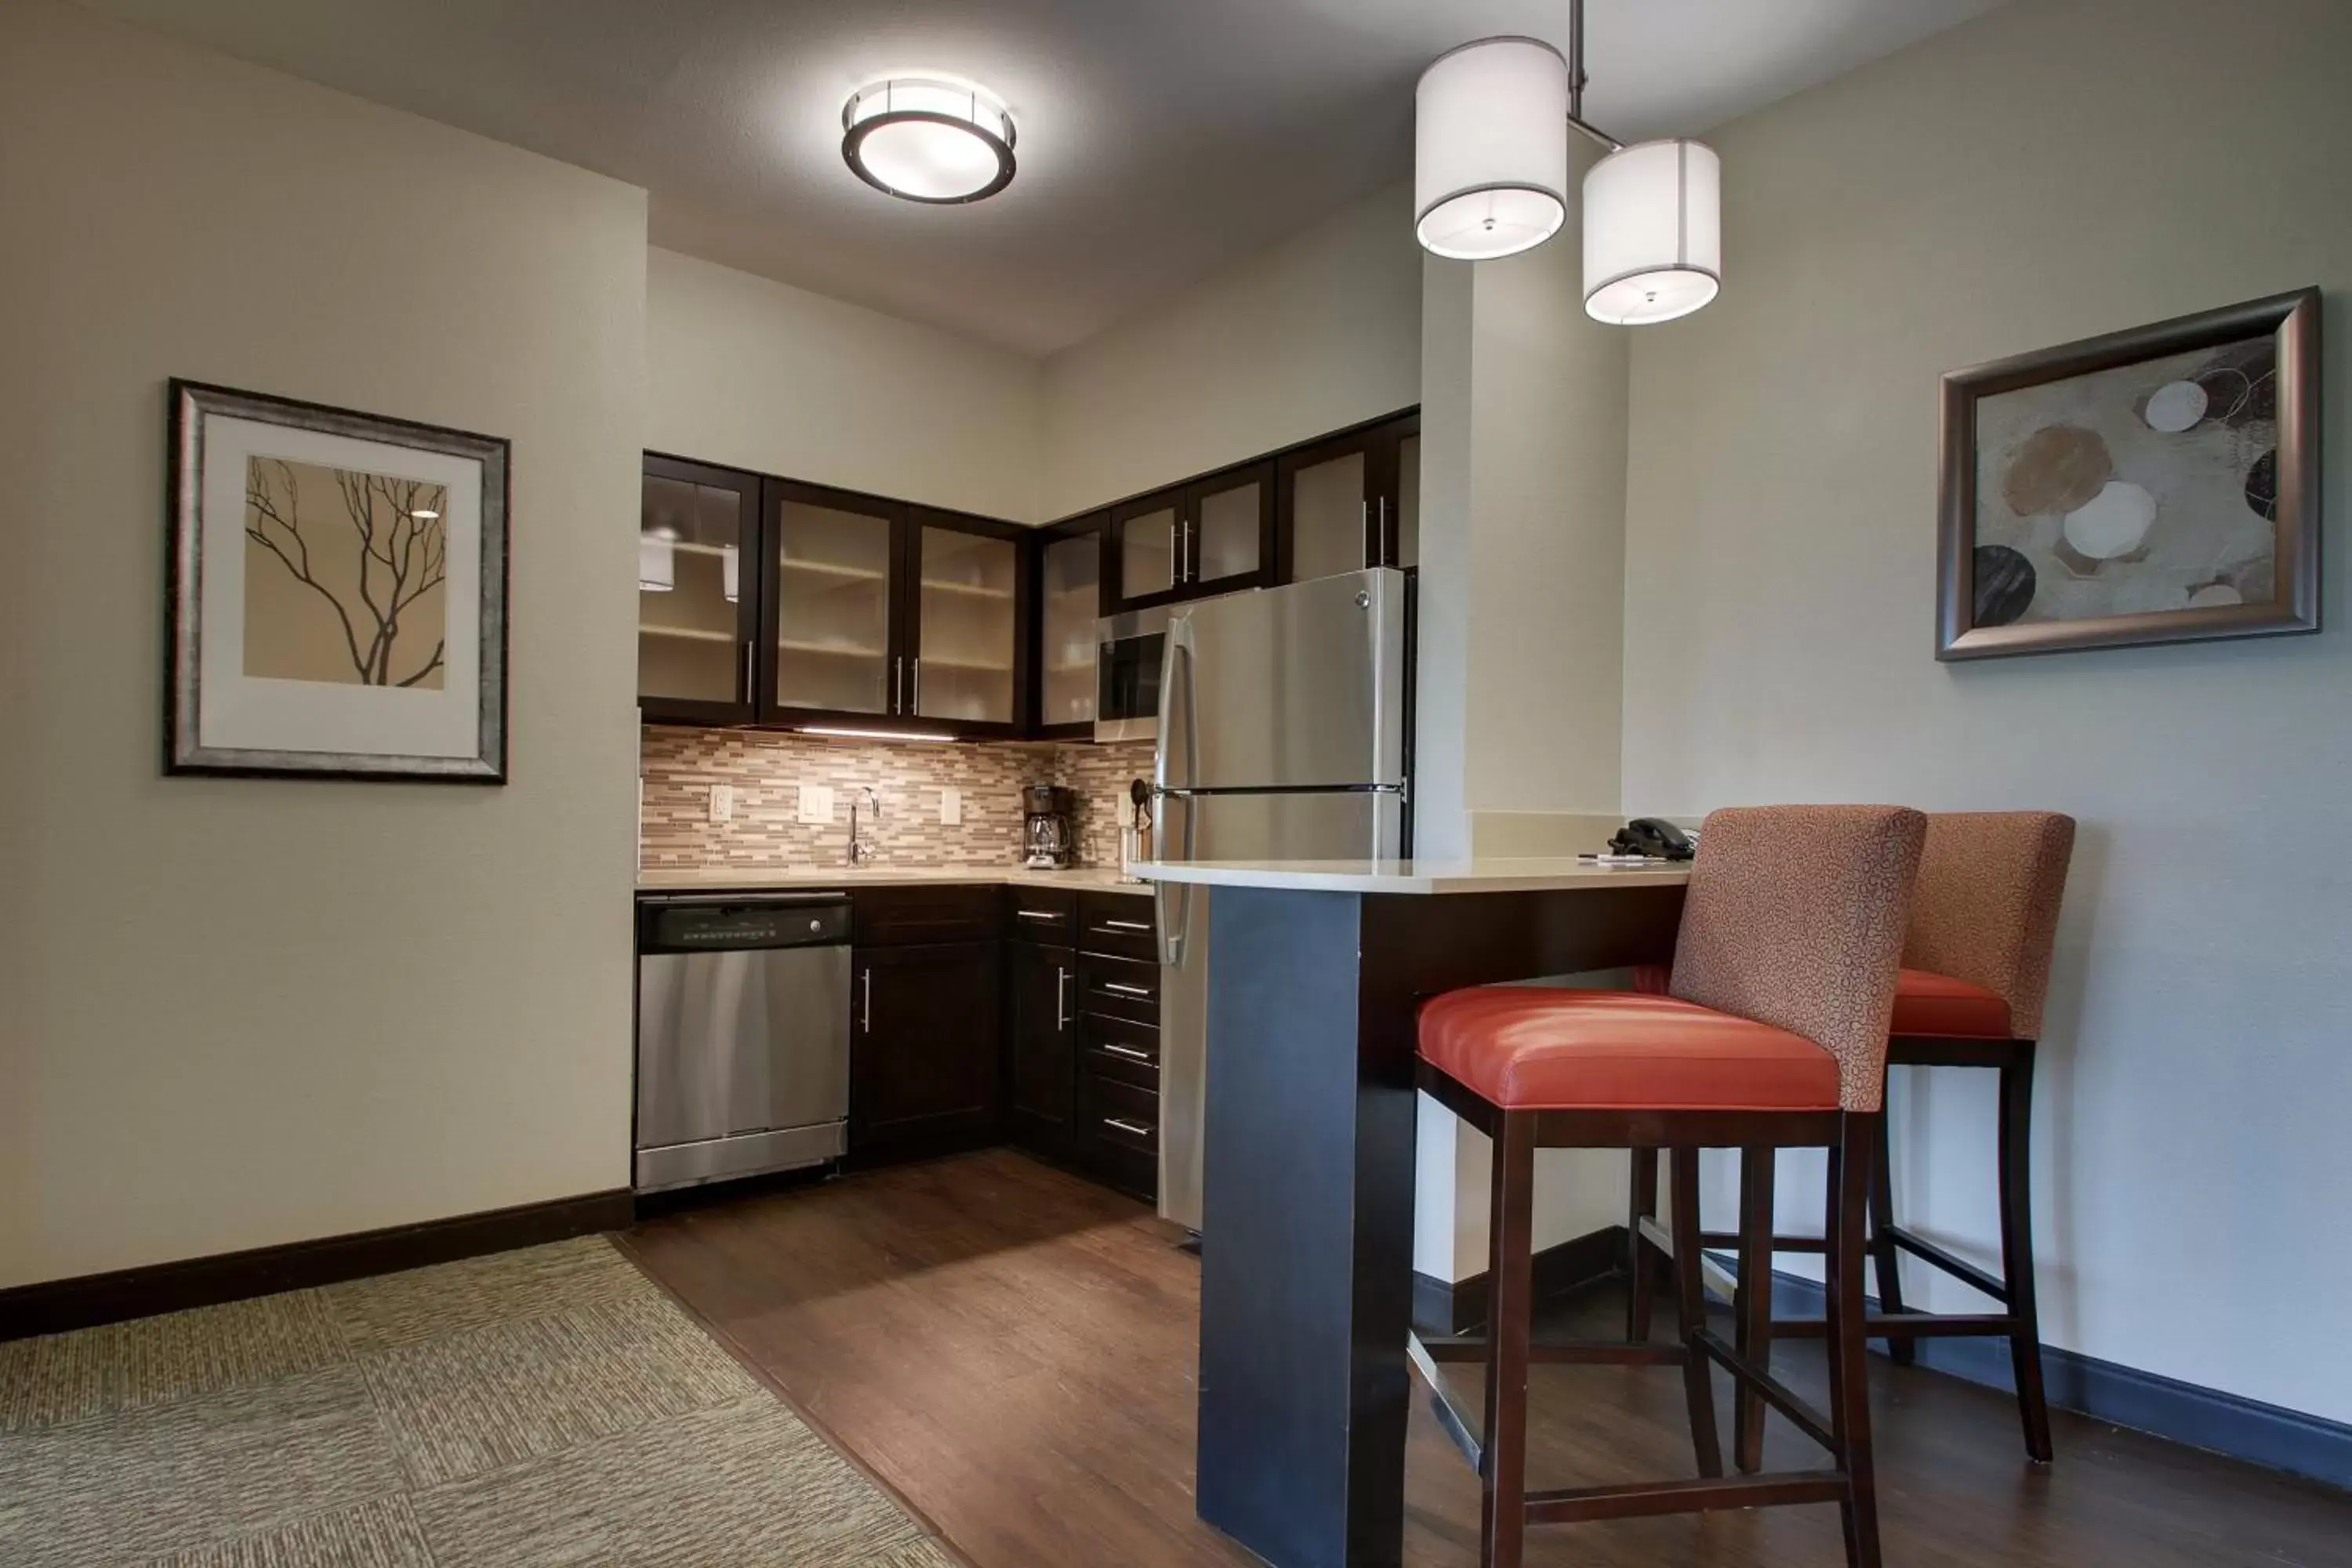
<point x="1013" y="1349"/>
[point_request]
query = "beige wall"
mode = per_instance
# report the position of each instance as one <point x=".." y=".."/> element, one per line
<point x="1320" y="333"/>
<point x="242" y="1012"/>
<point x="761" y="375"/>
<point x="1521" y="677"/>
<point x="2050" y="171"/>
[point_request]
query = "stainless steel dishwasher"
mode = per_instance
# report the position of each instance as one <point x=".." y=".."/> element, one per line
<point x="742" y="1034"/>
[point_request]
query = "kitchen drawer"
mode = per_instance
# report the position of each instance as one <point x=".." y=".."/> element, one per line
<point x="1047" y="916"/>
<point x="918" y="915"/>
<point x="1120" y="987"/>
<point x="1117" y="923"/>
<point x="1118" y="1115"/>
<point x="1116" y="1049"/>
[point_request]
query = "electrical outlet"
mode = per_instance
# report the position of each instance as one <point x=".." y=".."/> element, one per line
<point x="722" y="803"/>
<point x="816" y="803"/>
<point x="950" y="806"/>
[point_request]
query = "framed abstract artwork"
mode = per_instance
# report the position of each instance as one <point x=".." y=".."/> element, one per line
<point x="2157" y="485"/>
<point x="338" y="593"/>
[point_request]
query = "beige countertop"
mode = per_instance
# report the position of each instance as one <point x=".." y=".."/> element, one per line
<point x="1489" y="875"/>
<point x="706" y="878"/>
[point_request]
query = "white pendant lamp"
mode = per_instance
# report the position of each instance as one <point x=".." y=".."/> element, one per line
<point x="1652" y="231"/>
<point x="1490" y="178"/>
<point x="1490" y="165"/>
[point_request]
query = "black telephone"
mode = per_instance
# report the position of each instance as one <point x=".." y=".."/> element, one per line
<point x="1653" y="837"/>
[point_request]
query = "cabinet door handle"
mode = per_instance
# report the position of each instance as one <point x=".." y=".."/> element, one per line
<point x="1364" y="530"/>
<point x="897" y="680"/>
<point x="1124" y="990"/>
<point x="916" y="706"/>
<point x="747" y="672"/>
<point x="1130" y="1052"/>
<point x="1124" y="925"/>
<point x="865" y="1021"/>
<point x="1388" y="545"/>
<point x="1048" y="916"/>
<point x="1061" y="997"/>
<point x="1134" y="1129"/>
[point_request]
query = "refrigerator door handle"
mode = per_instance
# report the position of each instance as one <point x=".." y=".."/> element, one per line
<point x="1174" y="900"/>
<point x="1179" y="726"/>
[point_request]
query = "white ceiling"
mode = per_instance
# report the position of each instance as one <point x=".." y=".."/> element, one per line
<point x="1159" y="138"/>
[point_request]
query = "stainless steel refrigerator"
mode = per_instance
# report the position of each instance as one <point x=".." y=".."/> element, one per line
<point x="1284" y="735"/>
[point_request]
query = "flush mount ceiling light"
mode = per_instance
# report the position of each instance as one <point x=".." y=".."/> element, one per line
<point x="927" y="139"/>
<point x="1490" y="177"/>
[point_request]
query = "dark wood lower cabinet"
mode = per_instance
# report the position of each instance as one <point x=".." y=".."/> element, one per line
<point x="1049" y="1040"/>
<point x="1041" y="993"/>
<point x="924" y="1063"/>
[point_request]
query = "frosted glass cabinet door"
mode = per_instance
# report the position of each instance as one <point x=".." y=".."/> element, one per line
<point x="1330" y="516"/>
<point x="833" y="607"/>
<point x="1229" y="517"/>
<point x="1145" y="537"/>
<point x="964" y="626"/>
<point x="695" y="594"/>
<point x="1072" y="601"/>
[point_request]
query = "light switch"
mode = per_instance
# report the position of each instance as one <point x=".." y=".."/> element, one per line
<point x="950" y="806"/>
<point x="722" y="803"/>
<point x="816" y="803"/>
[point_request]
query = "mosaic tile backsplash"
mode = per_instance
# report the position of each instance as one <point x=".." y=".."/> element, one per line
<point x="766" y="770"/>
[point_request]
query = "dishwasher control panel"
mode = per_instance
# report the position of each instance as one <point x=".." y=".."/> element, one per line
<point x="735" y="926"/>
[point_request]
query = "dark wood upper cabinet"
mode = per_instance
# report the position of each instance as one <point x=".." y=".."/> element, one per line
<point x="1350" y="501"/>
<point x="834" y="629"/>
<point x="1214" y="535"/>
<point x="697" y="592"/>
<point x="968" y="606"/>
<point x="767" y="601"/>
<point x="1069" y="600"/>
<point x="1229" y="531"/>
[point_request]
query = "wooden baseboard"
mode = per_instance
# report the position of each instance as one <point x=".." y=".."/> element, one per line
<point x="1460" y="1308"/>
<point x="55" y="1306"/>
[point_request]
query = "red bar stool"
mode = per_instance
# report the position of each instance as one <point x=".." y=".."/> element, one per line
<point x="1774" y="1036"/>
<point x="1976" y="970"/>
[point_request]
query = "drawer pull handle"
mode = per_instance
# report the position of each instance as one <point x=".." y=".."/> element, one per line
<point x="1124" y="989"/>
<point x="1127" y="925"/>
<point x="1038" y="915"/>
<point x="1130" y="1052"/>
<point x="1132" y="1129"/>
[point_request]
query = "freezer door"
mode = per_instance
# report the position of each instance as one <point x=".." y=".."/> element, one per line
<point x="1292" y="686"/>
<point x="1351" y="825"/>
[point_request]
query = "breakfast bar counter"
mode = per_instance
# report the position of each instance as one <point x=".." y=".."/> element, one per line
<point x="1315" y="972"/>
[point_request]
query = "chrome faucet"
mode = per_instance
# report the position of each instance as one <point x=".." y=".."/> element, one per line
<point x="860" y="849"/>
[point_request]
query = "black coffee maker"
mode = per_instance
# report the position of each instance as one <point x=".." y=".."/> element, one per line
<point x="1045" y="828"/>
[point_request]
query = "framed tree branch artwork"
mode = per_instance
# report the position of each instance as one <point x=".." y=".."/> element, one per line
<point x="338" y="593"/>
<point x="2157" y="485"/>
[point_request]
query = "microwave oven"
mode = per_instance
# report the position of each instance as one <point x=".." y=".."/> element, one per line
<point x="1128" y="651"/>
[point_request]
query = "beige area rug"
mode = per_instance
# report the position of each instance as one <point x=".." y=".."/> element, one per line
<point x="546" y="1406"/>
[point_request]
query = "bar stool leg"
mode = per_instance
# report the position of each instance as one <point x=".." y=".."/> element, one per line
<point x="1886" y="1259"/>
<point x="1511" y="1311"/>
<point x="1851" y="1165"/>
<point x="1753" y="1305"/>
<point x="1641" y="1278"/>
<point x="1690" y="1303"/>
<point x="2017" y="1248"/>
